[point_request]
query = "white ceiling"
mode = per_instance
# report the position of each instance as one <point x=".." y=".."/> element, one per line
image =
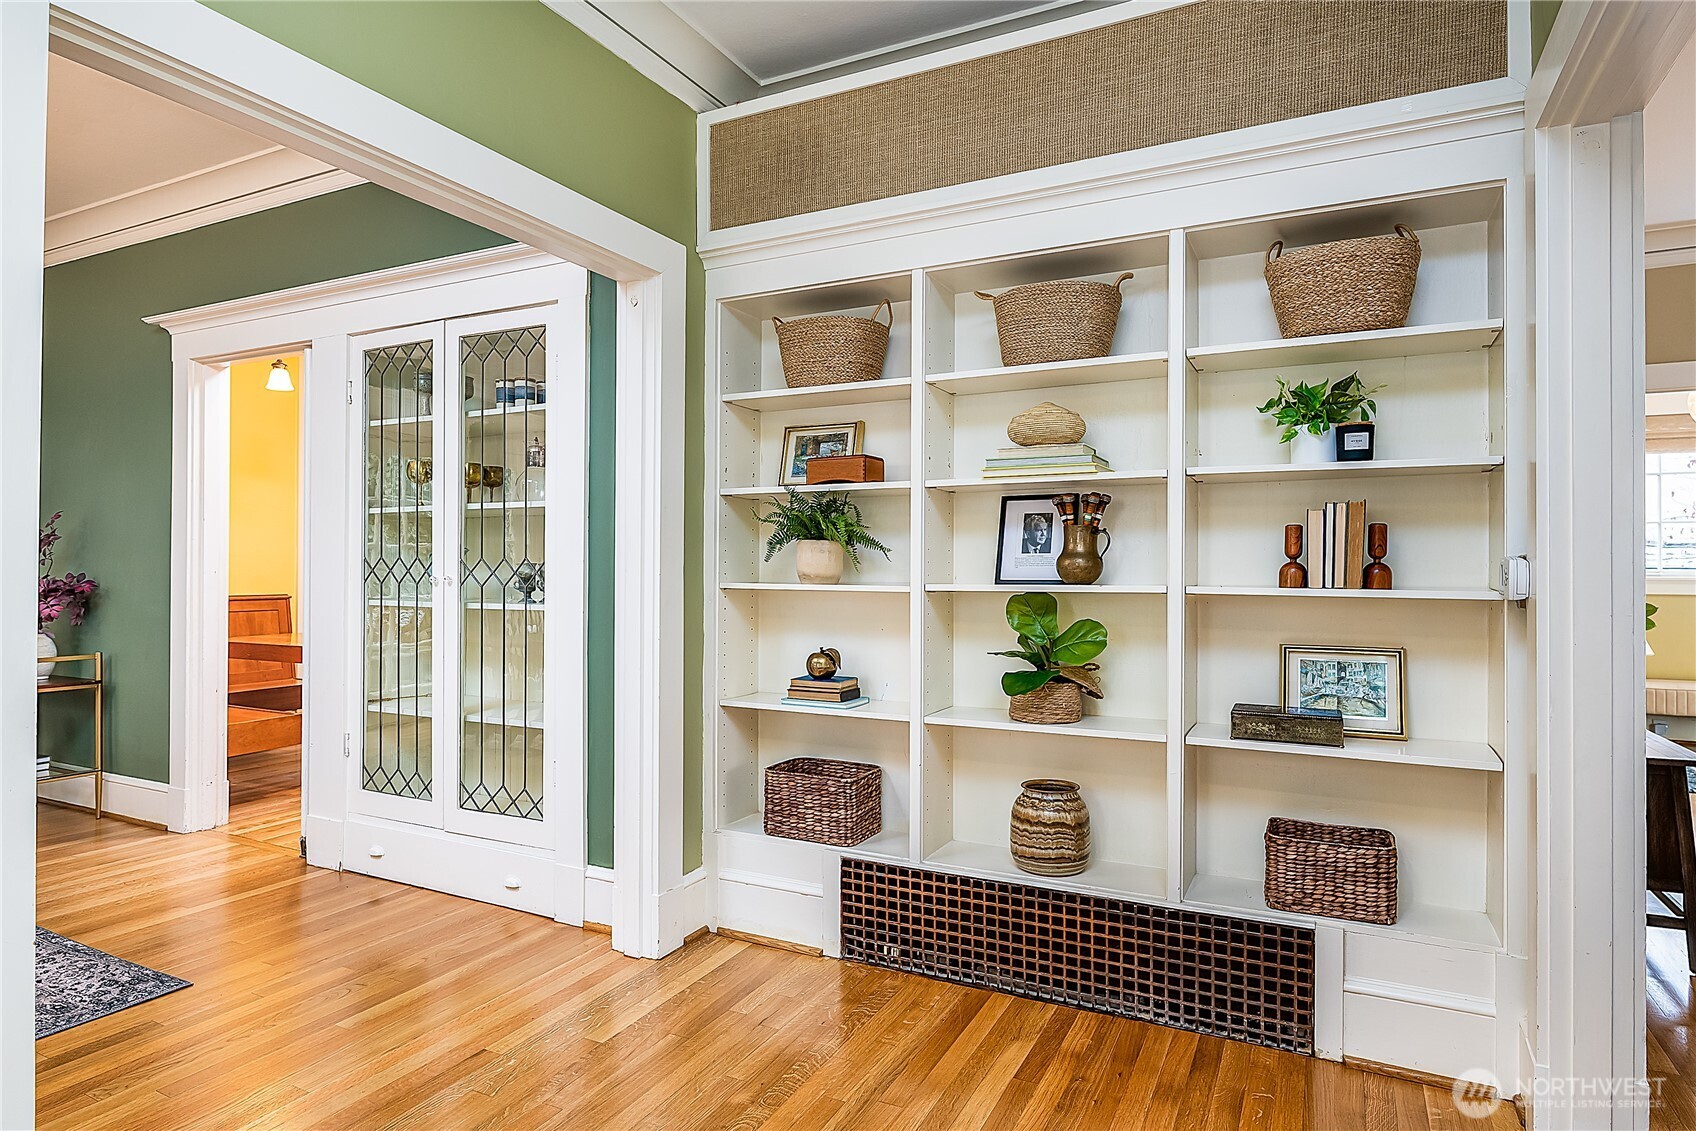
<point x="1669" y="146"/>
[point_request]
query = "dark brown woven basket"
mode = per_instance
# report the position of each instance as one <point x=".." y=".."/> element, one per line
<point x="1341" y="871"/>
<point x="824" y="800"/>
<point x="1344" y="287"/>
<point x="1065" y="320"/>
<point x="833" y="349"/>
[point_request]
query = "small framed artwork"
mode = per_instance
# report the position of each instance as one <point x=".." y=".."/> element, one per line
<point x="804" y="441"/>
<point x="1368" y="685"/>
<point x="1029" y="544"/>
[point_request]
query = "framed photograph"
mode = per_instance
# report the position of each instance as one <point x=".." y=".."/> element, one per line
<point x="804" y="441"/>
<point x="1029" y="543"/>
<point x="1368" y="685"/>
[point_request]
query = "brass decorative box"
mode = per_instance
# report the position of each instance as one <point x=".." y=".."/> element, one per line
<point x="1262" y="722"/>
<point x="845" y="469"/>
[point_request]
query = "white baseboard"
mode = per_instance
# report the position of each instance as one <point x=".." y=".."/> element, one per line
<point x="135" y="798"/>
<point x="323" y="842"/>
<point x="683" y="910"/>
<point x="600" y="896"/>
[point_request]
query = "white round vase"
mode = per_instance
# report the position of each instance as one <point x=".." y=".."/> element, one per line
<point x="819" y="562"/>
<point x="1307" y="448"/>
<point x="44" y="648"/>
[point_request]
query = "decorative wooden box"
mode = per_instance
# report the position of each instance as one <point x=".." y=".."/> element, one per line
<point x="1262" y="722"/>
<point x="845" y="469"/>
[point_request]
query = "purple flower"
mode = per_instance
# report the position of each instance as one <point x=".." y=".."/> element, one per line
<point x="56" y="597"/>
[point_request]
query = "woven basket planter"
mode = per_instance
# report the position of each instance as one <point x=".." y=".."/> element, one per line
<point x="1065" y="320"/>
<point x="1344" y="287"/>
<point x="833" y="349"/>
<point x="824" y="800"/>
<point x="1057" y="701"/>
<point x="1341" y="871"/>
<point x="1046" y="423"/>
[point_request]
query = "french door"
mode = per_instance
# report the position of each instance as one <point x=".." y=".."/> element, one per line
<point x="466" y="763"/>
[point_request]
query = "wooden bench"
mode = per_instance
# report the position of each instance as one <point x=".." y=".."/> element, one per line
<point x="264" y="695"/>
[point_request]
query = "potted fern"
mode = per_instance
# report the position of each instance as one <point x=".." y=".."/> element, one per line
<point x="1309" y="413"/>
<point x="826" y="529"/>
<point x="1054" y="691"/>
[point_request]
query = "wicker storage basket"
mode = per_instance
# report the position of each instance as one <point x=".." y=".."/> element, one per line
<point x="833" y="349"/>
<point x="1046" y="423"/>
<point x="824" y="800"/>
<point x="1057" y="701"/>
<point x="1343" y="287"/>
<point x="1337" y="870"/>
<point x="1065" y="320"/>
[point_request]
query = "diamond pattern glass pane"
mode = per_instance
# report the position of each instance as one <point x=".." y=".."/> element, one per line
<point x="504" y="573"/>
<point x="399" y="579"/>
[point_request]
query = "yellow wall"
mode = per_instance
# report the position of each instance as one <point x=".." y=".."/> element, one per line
<point x="1673" y="637"/>
<point x="264" y="482"/>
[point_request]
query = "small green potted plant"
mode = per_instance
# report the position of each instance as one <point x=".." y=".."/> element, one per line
<point x="1308" y="414"/>
<point x="1053" y="692"/>
<point x="826" y="529"/>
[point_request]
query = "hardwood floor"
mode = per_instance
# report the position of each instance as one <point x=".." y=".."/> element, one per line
<point x="1669" y="1032"/>
<point x="324" y="1000"/>
<point x="265" y="797"/>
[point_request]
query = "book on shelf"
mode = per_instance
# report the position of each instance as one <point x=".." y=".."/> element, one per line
<point x="1336" y="545"/>
<point x="1044" y="459"/>
<point x="1315" y="548"/>
<point x="1036" y="451"/>
<point x="846" y="704"/>
<point x="1355" y="564"/>
<point x="823" y="696"/>
<point x="834" y="684"/>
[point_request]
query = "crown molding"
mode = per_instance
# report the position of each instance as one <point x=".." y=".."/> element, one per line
<point x="241" y="187"/>
<point x="649" y="36"/>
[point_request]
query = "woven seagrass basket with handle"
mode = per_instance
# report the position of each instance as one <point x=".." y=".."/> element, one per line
<point x="1342" y="871"/>
<point x="833" y="349"/>
<point x="1063" y="320"/>
<point x="1344" y="287"/>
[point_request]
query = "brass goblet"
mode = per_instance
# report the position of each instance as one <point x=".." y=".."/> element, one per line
<point x="473" y="480"/>
<point x="420" y="472"/>
<point x="493" y="476"/>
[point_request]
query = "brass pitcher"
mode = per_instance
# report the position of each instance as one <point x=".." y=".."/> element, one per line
<point x="1079" y="562"/>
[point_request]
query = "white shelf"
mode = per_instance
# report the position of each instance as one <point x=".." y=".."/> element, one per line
<point x="481" y="415"/>
<point x="815" y="488"/>
<point x="890" y="844"/>
<point x="506" y="606"/>
<point x="1274" y="472"/>
<point x="1406" y="341"/>
<point x="1090" y="726"/>
<point x="798" y="587"/>
<point x="423" y="510"/>
<point x="1056" y="587"/>
<point x="506" y="412"/>
<point x="880" y="709"/>
<point x="402" y="422"/>
<point x="1364" y="594"/>
<point x="522" y="716"/>
<point x="823" y="396"/>
<point x="1110" y="479"/>
<point x="1442" y="753"/>
<point x="1103" y="877"/>
<point x="1056" y="375"/>
<point x="1471" y="929"/>
<point x="485" y="508"/>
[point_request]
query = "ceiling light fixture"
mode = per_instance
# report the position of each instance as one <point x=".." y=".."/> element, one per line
<point x="279" y="381"/>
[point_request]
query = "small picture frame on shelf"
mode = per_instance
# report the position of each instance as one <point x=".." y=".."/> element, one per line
<point x="804" y="441"/>
<point x="1028" y="546"/>
<point x="1368" y="685"/>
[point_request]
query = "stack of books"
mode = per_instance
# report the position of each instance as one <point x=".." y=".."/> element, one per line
<point x="1070" y="460"/>
<point x="1336" y="545"/>
<point x="839" y="692"/>
<point x="43" y="765"/>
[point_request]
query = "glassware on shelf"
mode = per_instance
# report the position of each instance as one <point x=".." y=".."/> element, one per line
<point x="419" y="472"/>
<point x="426" y="389"/>
<point x="527" y="579"/>
<point x="473" y="480"/>
<point x="493" y="476"/>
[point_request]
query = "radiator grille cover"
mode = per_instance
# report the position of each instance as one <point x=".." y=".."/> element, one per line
<point x="1216" y="974"/>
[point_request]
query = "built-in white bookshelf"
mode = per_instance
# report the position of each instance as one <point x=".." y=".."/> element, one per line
<point x="1201" y="492"/>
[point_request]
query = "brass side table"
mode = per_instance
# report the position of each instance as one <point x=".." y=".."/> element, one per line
<point x="96" y="684"/>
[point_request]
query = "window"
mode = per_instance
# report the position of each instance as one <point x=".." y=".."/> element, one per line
<point x="1670" y="507"/>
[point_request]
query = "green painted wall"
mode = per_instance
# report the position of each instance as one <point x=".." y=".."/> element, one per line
<point x="521" y="80"/>
<point x="1543" y="13"/>
<point x="600" y="678"/>
<point x="106" y="409"/>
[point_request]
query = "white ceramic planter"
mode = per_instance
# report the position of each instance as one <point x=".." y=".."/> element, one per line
<point x="1307" y="448"/>
<point x="44" y="648"/>
<point x="819" y="563"/>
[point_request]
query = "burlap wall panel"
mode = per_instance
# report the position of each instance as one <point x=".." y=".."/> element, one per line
<point x="1186" y="72"/>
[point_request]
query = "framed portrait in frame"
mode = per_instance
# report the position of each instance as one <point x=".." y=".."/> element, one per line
<point x="1028" y="544"/>
<point x="1368" y="685"/>
<point x="804" y="441"/>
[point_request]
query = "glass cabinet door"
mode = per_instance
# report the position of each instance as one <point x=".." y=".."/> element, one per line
<point x="397" y="771"/>
<point x="500" y="764"/>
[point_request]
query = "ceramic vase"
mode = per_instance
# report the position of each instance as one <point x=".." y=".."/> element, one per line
<point x="819" y="562"/>
<point x="1307" y="448"/>
<point x="1049" y="833"/>
<point x="44" y="648"/>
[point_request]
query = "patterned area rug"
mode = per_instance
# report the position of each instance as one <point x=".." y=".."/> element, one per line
<point x="76" y="983"/>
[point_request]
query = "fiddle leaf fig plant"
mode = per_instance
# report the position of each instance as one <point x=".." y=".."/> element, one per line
<point x="1053" y="653"/>
<point x="828" y="516"/>
<point x="1320" y="406"/>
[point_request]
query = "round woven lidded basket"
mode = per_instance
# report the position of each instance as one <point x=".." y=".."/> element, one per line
<point x="1046" y="423"/>
<point x="1057" y="701"/>
<point x="1343" y="287"/>
<point x="1063" y="320"/>
<point x="1343" y="871"/>
<point x="833" y="349"/>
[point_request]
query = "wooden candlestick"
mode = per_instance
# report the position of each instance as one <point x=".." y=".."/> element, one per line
<point x="1377" y="574"/>
<point x="1292" y="574"/>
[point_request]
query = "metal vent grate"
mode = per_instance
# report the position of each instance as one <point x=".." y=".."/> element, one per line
<point x="1215" y="974"/>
